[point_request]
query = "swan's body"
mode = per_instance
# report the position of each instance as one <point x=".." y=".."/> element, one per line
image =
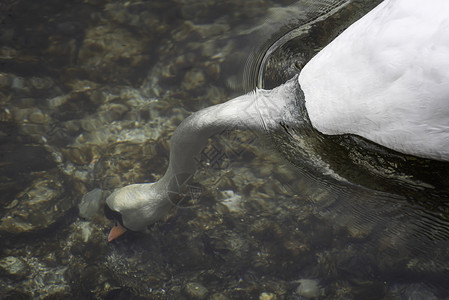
<point x="386" y="78"/>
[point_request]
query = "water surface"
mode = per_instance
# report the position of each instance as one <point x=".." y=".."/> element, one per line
<point x="90" y="93"/>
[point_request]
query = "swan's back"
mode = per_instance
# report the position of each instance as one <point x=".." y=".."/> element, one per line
<point x="386" y="78"/>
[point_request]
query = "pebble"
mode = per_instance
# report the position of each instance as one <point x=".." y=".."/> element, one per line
<point x="196" y="290"/>
<point x="57" y="101"/>
<point x="267" y="296"/>
<point x="193" y="79"/>
<point x="86" y="231"/>
<point x="37" y="117"/>
<point x="309" y="288"/>
<point x="41" y="83"/>
<point x="18" y="83"/>
<point x="219" y="296"/>
<point x="76" y="155"/>
<point x="232" y="201"/>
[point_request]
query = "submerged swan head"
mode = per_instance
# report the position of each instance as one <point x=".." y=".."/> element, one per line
<point x="137" y="205"/>
<point x="377" y="80"/>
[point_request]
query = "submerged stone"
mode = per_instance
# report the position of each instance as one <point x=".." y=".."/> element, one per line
<point x="14" y="267"/>
<point x="104" y="50"/>
<point x="90" y="203"/>
<point x="416" y="291"/>
<point x="309" y="288"/>
<point x="219" y="296"/>
<point x="267" y="296"/>
<point x="232" y="201"/>
<point x="40" y="205"/>
<point x="196" y="290"/>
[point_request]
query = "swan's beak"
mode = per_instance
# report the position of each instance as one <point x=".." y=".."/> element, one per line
<point x="116" y="231"/>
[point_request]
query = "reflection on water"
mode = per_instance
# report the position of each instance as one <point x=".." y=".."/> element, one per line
<point x="90" y="94"/>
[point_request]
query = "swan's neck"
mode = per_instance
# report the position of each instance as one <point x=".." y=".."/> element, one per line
<point x="259" y="111"/>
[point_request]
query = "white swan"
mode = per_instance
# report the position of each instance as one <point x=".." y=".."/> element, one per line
<point x="386" y="78"/>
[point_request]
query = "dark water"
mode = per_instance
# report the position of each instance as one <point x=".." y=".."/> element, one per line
<point x="90" y="93"/>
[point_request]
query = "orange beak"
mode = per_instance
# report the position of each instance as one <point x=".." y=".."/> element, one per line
<point x="115" y="232"/>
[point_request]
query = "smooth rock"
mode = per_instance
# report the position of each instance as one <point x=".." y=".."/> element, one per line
<point x="41" y="82"/>
<point x="90" y="203"/>
<point x="106" y="48"/>
<point x="219" y="296"/>
<point x="40" y="205"/>
<point x="37" y="117"/>
<point x="193" y="79"/>
<point x="196" y="290"/>
<point x="309" y="288"/>
<point x="267" y="296"/>
<point x="232" y="201"/>
<point x="18" y="83"/>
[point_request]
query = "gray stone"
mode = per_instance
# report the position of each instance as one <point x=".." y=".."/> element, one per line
<point x="309" y="288"/>
<point x="90" y="203"/>
<point x="41" y="83"/>
<point x="37" y="117"/>
<point x="38" y="206"/>
<point x="415" y="291"/>
<point x="219" y="296"/>
<point x="13" y="266"/>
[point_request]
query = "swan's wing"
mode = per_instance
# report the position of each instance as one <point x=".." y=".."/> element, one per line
<point x="386" y="78"/>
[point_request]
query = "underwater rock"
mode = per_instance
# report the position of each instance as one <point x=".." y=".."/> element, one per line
<point x="88" y="241"/>
<point x="14" y="267"/>
<point x="77" y="155"/>
<point x="20" y="164"/>
<point x="232" y="201"/>
<point x="415" y="291"/>
<point x="193" y="79"/>
<point x="205" y="31"/>
<point x="90" y="203"/>
<point x="360" y="231"/>
<point x="267" y="296"/>
<point x="128" y="162"/>
<point x="196" y="290"/>
<point x="309" y="288"/>
<point x="139" y="15"/>
<point x="218" y="296"/>
<point x="19" y="84"/>
<point x="41" y="83"/>
<point x="37" y="117"/>
<point x="5" y="80"/>
<point x="9" y="293"/>
<point x="40" y="205"/>
<point x="105" y="50"/>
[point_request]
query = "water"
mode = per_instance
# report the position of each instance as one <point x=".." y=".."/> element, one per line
<point x="91" y="92"/>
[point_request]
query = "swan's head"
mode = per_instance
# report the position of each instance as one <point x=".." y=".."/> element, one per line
<point x="134" y="207"/>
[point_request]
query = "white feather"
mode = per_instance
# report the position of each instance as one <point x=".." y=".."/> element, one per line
<point x="386" y="78"/>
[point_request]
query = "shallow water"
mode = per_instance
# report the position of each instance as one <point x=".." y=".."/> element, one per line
<point x="91" y="92"/>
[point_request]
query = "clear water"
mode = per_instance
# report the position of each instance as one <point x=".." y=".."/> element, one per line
<point x="90" y="93"/>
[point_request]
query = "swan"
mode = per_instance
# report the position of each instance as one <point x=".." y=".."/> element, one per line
<point x="385" y="79"/>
